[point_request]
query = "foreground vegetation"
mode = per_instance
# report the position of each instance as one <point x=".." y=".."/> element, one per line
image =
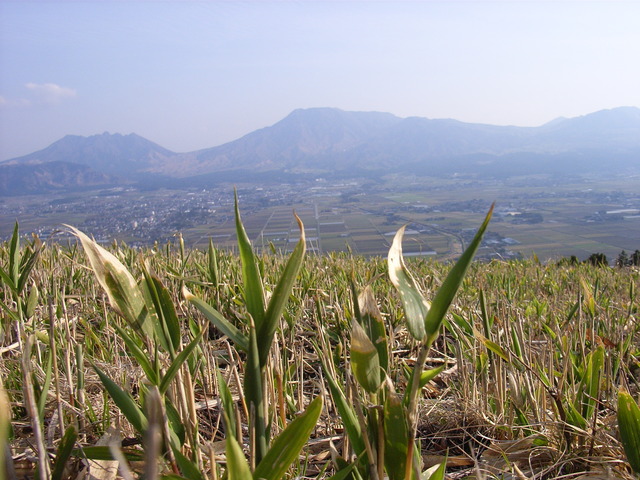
<point x="181" y="363"/>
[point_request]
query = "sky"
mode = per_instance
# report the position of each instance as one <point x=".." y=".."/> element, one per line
<point x="191" y="75"/>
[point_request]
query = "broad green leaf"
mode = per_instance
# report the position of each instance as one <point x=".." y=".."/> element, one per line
<point x="32" y="301"/>
<point x="364" y="359"/>
<point x="14" y="258"/>
<point x="123" y="291"/>
<point x="343" y="473"/>
<point x="414" y="303"/>
<point x="447" y="291"/>
<point x="5" y="424"/>
<point x="589" y="388"/>
<point x="492" y="346"/>
<point x="574" y="417"/>
<point x="280" y="296"/>
<point x="428" y="375"/>
<point x="124" y="402"/>
<point x="159" y="300"/>
<point x="463" y="323"/>
<point x="217" y="319"/>
<point x="396" y="437"/>
<point x="254" y="396"/>
<point x="188" y="468"/>
<point x="27" y="263"/>
<point x="253" y="289"/>
<point x="104" y="453"/>
<point x="437" y="472"/>
<point x="371" y="321"/>
<point x="178" y="361"/>
<point x="237" y="466"/>
<point x="629" y="426"/>
<point x="64" y="452"/>
<point x="286" y="447"/>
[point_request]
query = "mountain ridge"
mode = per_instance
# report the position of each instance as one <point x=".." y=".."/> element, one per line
<point x="326" y="140"/>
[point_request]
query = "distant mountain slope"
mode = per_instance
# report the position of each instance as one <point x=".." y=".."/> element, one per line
<point x="299" y="141"/>
<point x="22" y="179"/>
<point x="119" y="155"/>
<point x="329" y="140"/>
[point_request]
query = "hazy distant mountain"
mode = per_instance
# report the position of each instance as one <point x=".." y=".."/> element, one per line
<point x="326" y="140"/>
<point x="21" y="179"/>
<point x="305" y="139"/>
<point x="118" y="155"/>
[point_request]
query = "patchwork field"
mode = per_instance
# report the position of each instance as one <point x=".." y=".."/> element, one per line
<point x="550" y="218"/>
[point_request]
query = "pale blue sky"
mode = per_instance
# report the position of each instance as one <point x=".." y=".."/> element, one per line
<point x="190" y="75"/>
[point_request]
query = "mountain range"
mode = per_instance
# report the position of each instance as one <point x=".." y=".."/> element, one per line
<point x="328" y="141"/>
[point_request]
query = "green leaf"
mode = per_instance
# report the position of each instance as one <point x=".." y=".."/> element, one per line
<point x="213" y="265"/>
<point x="364" y="359"/>
<point x="237" y="466"/>
<point x="188" y="468"/>
<point x="104" y="453"/>
<point x="629" y="425"/>
<point x="286" y="447"/>
<point x="14" y="258"/>
<point x="589" y="388"/>
<point x="347" y="415"/>
<point x="228" y="409"/>
<point x="27" y="264"/>
<point x="492" y="346"/>
<point x="447" y="291"/>
<point x="396" y="436"/>
<point x="280" y="296"/>
<point x="177" y="363"/>
<point x="428" y="375"/>
<point x="253" y="289"/>
<point x="371" y="321"/>
<point x="437" y="472"/>
<point x="167" y="326"/>
<point x="217" y="319"/>
<point x="254" y="395"/>
<point x="414" y="303"/>
<point x="123" y="291"/>
<point x="141" y="357"/>
<point x="42" y="400"/>
<point x="124" y="402"/>
<point x="64" y="452"/>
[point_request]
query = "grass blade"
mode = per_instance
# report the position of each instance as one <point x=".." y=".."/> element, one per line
<point x="217" y="319"/>
<point x="287" y="445"/>
<point x="228" y="410"/>
<point x="364" y="359"/>
<point x="253" y="290"/>
<point x="64" y="452"/>
<point x="629" y="425"/>
<point x="280" y="296"/>
<point x="448" y="290"/>
<point x="124" y="402"/>
<point x="178" y="361"/>
<point x="237" y="466"/>
<point x="414" y="303"/>
<point x="371" y="320"/>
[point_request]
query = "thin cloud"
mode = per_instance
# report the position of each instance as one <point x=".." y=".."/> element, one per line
<point x="50" y="92"/>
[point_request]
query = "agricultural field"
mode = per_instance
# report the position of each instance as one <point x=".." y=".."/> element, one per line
<point x="228" y="362"/>
<point x="546" y="217"/>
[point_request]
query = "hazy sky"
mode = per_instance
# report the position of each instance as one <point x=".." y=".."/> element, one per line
<point x="190" y="75"/>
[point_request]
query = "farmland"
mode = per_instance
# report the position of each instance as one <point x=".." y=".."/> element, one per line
<point x="100" y="349"/>
<point x="548" y="217"/>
